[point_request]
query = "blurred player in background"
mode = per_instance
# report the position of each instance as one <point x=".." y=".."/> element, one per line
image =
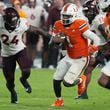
<point x="75" y="31"/>
<point x="54" y="15"/>
<point x="2" y="7"/>
<point x="104" y="79"/>
<point x="36" y="15"/>
<point x="13" y="50"/>
<point x="18" y="6"/>
<point x="96" y="20"/>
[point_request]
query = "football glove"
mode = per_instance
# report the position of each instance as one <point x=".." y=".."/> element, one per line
<point x="92" y="49"/>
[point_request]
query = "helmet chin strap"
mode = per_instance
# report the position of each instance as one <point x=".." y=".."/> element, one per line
<point x="12" y="27"/>
<point x="67" y="25"/>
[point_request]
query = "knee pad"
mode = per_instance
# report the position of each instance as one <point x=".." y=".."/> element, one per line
<point x="67" y="84"/>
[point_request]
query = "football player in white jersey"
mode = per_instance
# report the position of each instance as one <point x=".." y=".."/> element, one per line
<point x="96" y="22"/>
<point x="14" y="50"/>
<point x="104" y="79"/>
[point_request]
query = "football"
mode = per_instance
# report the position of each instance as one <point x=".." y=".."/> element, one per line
<point x="59" y="38"/>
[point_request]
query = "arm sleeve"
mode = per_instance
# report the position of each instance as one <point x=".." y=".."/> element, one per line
<point x="92" y="36"/>
<point x="101" y="28"/>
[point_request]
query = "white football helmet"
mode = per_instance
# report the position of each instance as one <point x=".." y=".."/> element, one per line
<point x="68" y="13"/>
<point x="104" y="5"/>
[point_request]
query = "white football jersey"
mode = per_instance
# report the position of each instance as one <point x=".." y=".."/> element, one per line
<point x="11" y="42"/>
<point x="81" y="14"/>
<point x="34" y="14"/>
<point x="99" y="19"/>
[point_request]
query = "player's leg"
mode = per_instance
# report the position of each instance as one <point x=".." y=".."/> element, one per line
<point x="57" y="79"/>
<point x="104" y="79"/>
<point x="88" y="79"/>
<point x="24" y="82"/>
<point x="9" y="65"/>
<point x="57" y="90"/>
<point x="25" y="65"/>
<point x="72" y="76"/>
<point x="88" y="73"/>
<point x="94" y="61"/>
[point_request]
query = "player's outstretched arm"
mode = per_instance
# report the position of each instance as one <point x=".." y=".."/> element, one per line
<point x="96" y="41"/>
<point x="39" y="31"/>
<point x="92" y="36"/>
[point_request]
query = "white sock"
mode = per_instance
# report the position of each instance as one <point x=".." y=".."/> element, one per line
<point x="59" y="98"/>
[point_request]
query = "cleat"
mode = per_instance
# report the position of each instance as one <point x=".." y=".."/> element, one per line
<point x="14" y="102"/>
<point x="14" y="98"/>
<point x="28" y="90"/>
<point x="83" y="96"/>
<point x="82" y="85"/>
<point x="58" y="103"/>
<point x="26" y="85"/>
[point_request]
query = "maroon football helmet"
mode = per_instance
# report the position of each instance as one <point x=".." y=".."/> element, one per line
<point x="11" y="17"/>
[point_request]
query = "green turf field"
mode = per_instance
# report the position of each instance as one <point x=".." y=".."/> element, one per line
<point x="43" y="96"/>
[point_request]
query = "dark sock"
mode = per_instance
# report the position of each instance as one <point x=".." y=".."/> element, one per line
<point x="57" y="87"/>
